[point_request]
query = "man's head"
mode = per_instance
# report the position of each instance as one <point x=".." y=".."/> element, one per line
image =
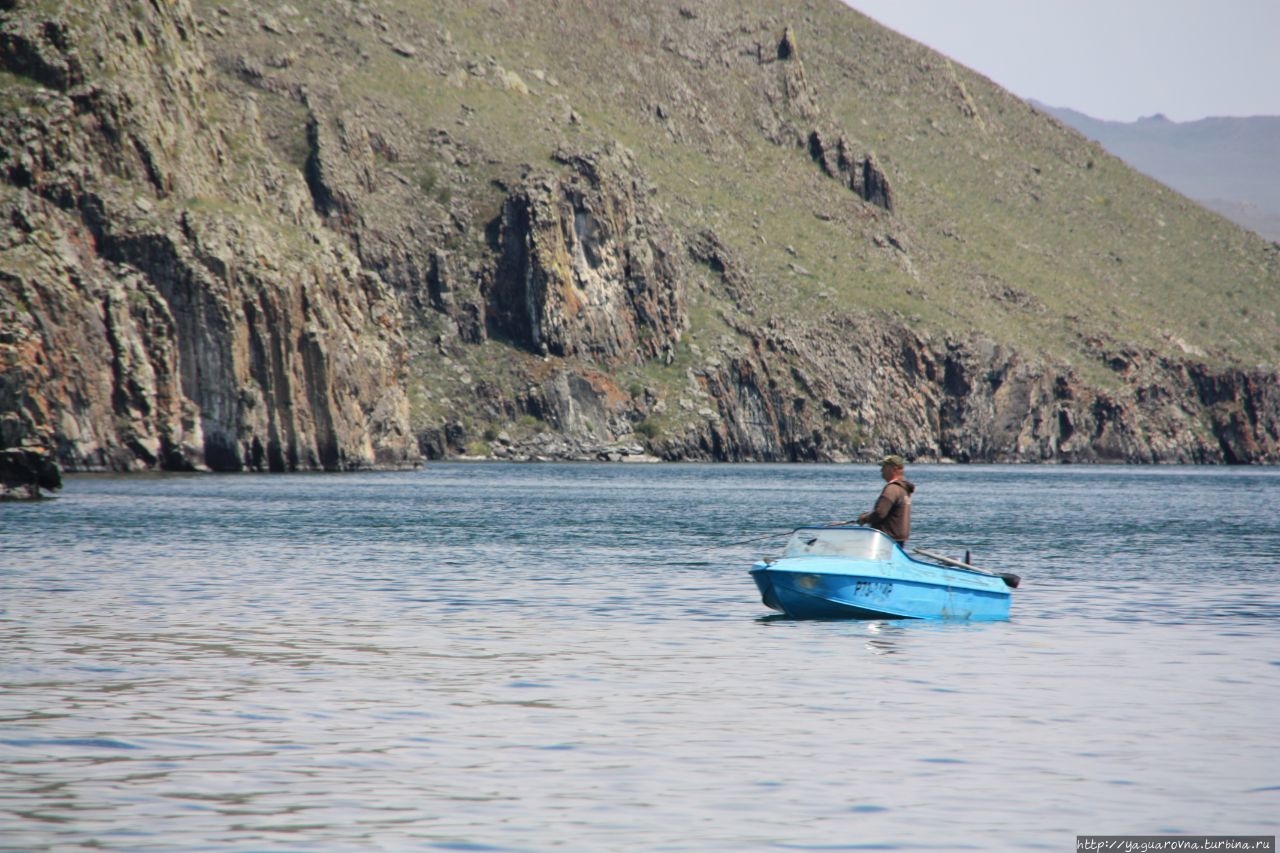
<point x="892" y="466"/>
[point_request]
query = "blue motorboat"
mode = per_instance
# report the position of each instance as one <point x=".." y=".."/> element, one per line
<point x="860" y="573"/>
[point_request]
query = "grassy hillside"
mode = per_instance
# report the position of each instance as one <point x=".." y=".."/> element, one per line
<point x="1007" y="230"/>
<point x="1007" y="223"/>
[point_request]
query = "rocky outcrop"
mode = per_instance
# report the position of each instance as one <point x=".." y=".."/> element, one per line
<point x="26" y="473"/>
<point x="790" y="99"/>
<point x="170" y="299"/>
<point x="397" y="217"/>
<point x="587" y="267"/>
<point x="860" y="173"/>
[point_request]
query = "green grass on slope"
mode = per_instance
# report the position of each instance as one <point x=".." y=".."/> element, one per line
<point x="1001" y="191"/>
<point x="1010" y="225"/>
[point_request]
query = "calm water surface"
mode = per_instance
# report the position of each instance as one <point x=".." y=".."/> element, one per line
<point x="573" y="658"/>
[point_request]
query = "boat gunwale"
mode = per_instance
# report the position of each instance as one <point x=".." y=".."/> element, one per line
<point x="983" y="580"/>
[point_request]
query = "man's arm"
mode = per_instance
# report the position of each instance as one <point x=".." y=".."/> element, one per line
<point x="884" y="505"/>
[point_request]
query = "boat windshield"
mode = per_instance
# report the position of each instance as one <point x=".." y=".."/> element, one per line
<point x="860" y="542"/>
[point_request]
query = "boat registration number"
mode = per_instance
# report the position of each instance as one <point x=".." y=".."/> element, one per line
<point x="873" y="589"/>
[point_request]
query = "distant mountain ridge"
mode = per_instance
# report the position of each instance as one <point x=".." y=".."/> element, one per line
<point x="1229" y="164"/>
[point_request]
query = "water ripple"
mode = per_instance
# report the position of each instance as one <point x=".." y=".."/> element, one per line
<point x="527" y="658"/>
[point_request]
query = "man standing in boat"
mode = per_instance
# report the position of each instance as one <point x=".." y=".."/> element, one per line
<point x="892" y="512"/>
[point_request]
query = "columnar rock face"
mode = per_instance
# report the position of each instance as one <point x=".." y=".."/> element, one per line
<point x="170" y="299"/>
<point x="588" y="269"/>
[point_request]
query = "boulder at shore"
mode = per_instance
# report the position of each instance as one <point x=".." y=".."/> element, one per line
<point x="24" y="471"/>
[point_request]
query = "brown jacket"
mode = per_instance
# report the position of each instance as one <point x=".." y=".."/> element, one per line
<point x="892" y="512"/>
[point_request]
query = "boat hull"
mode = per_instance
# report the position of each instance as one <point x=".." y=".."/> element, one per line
<point x="807" y="595"/>
<point x="887" y="585"/>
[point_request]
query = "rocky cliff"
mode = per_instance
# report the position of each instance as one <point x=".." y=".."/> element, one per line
<point x="341" y="235"/>
<point x="170" y="298"/>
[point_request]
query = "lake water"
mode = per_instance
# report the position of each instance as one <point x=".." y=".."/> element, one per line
<point x="478" y="657"/>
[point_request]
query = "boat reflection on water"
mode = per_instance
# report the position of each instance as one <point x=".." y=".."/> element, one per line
<point x="881" y="641"/>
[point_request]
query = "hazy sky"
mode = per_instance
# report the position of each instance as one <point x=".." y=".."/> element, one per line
<point x="1111" y="59"/>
